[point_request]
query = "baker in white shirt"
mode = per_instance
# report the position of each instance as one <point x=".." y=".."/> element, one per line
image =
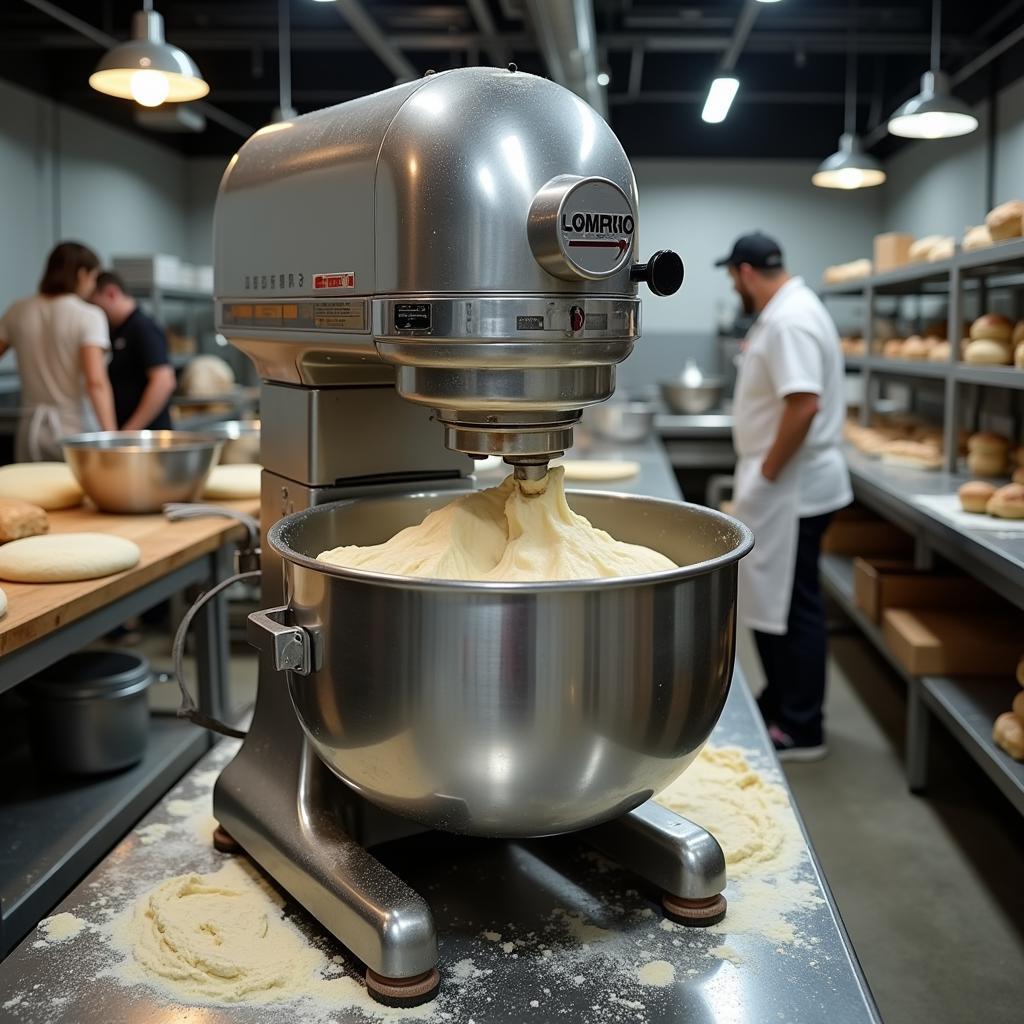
<point x="61" y="343"/>
<point x="790" y="477"/>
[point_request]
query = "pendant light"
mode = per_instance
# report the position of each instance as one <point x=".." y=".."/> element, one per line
<point x="148" y="69"/>
<point x="850" y="167"/>
<point x="934" y="113"/>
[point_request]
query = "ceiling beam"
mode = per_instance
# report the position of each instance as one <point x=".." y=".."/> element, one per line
<point x="214" y="40"/>
<point x="376" y="40"/>
<point x="744" y="23"/>
<point x="492" y="37"/>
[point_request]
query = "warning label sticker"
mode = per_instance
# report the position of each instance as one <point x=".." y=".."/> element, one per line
<point x="343" y="279"/>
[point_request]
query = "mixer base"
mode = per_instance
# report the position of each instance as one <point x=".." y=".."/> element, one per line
<point x="678" y="856"/>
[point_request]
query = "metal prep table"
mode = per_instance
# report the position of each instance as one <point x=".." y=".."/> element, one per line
<point x="524" y="890"/>
<point x="52" y="832"/>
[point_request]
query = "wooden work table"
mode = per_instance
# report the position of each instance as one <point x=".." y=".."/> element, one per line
<point x="54" y="829"/>
<point x="37" y="609"/>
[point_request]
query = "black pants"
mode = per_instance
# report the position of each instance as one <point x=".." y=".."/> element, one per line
<point x="794" y="663"/>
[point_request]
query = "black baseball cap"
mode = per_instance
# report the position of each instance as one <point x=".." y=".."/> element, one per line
<point x="759" y="250"/>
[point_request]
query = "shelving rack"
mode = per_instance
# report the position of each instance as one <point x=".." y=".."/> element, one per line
<point x="998" y="267"/>
<point x="967" y="707"/>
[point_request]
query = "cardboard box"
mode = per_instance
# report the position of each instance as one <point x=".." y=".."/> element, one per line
<point x="892" y="250"/>
<point x="879" y="584"/>
<point x="938" y="641"/>
<point x="869" y="538"/>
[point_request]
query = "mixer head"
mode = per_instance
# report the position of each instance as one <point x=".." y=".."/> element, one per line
<point x="475" y="230"/>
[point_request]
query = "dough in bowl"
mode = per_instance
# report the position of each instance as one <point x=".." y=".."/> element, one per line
<point x="523" y="532"/>
<point x="50" y="485"/>
<point x="233" y="483"/>
<point x="65" y="557"/>
<point x="598" y="470"/>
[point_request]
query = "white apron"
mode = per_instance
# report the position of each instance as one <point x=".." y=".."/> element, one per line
<point x="772" y="511"/>
<point x="39" y="434"/>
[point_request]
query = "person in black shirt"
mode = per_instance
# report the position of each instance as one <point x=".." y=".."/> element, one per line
<point x="140" y="371"/>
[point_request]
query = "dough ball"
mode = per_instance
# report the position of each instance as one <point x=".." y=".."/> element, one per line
<point x="3" y="602"/>
<point x="597" y="470"/>
<point x="21" y="519"/>
<point x="233" y="483"/>
<point x="207" y="376"/>
<point x="1018" y="705"/>
<point x="1008" y="733"/>
<point x="64" y="557"/>
<point x="50" y="485"/>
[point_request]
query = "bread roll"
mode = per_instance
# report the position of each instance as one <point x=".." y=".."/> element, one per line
<point x="976" y="238"/>
<point x="974" y="495"/>
<point x="1005" y="220"/>
<point x="920" y="249"/>
<point x="986" y="442"/>
<point x="943" y="249"/>
<point x="986" y="465"/>
<point x="1018" y="356"/>
<point x="986" y="352"/>
<point x="893" y="348"/>
<point x="1020" y="671"/>
<point x="1018" y="705"/>
<point x="1007" y="502"/>
<point x="993" y="326"/>
<point x="21" y="519"/>
<point x="207" y="377"/>
<point x="912" y="453"/>
<point x="916" y="348"/>
<point x="1008" y="733"/>
<point x="940" y="352"/>
<point x="1018" y="332"/>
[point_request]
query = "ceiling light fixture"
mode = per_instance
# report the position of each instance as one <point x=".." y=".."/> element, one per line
<point x="148" y="69"/>
<point x="720" y="97"/>
<point x="603" y="78"/>
<point x="850" y="167"/>
<point x="934" y="113"/>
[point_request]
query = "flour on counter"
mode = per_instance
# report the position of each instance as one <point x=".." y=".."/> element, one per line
<point x="61" y="927"/>
<point x="656" y="973"/>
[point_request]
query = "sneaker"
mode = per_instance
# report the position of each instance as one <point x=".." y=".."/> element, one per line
<point x="787" y="749"/>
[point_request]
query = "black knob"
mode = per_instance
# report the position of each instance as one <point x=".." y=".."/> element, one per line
<point x="663" y="272"/>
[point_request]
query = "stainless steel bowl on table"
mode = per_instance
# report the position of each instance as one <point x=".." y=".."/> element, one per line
<point x="626" y="422"/>
<point x="516" y="709"/>
<point x="241" y="440"/>
<point x="692" y="400"/>
<point x="139" y="471"/>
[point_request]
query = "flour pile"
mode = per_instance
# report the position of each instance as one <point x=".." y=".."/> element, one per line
<point x="520" y="531"/>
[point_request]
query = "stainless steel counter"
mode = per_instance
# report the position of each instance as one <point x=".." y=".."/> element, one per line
<point x="513" y="919"/>
<point x="708" y="426"/>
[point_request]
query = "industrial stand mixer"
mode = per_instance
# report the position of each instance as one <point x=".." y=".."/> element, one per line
<point x="458" y="248"/>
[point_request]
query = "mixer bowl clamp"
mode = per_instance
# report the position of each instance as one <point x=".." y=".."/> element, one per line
<point x="290" y="646"/>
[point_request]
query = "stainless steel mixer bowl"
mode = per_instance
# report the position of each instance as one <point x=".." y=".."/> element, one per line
<point x="512" y="709"/>
<point x="140" y="471"/>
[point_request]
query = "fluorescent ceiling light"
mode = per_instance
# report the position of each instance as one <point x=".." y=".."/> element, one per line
<point x="934" y="113"/>
<point x="147" y="69"/>
<point x="720" y="97"/>
<point x="603" y="78"/>
<point x="849" y="167"/>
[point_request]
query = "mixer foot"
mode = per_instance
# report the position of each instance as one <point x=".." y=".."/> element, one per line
<point x="403" y="992"/>
<point x="223" y="841"/>
<point x="694" y="913"/>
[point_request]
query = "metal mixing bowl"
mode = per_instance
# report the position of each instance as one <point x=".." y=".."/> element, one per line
<point x="687" y="400"/>
<point x="627" y="422"/>
<point x="241" y="440"/>
<point x="139" y="471"/>
<point x="513" y="709"/>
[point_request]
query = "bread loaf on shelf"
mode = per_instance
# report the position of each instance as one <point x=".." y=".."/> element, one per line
<point x="987" y="352"/>
<point x="920" y="250"/>
<point x="994" y="326"/>
<point x="1007" y="502"/>
<point x="940" y="352"/>
<point x="976" y="238"/>
<point x="943" y="249"/>
<point x="1008" y="733"/>
<point x="1004" y="221"/>
<point x="974" y="495"/>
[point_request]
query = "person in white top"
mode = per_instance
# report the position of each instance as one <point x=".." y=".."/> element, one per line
<point x="61" y="343"/>
<point x="790" y="478"/>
